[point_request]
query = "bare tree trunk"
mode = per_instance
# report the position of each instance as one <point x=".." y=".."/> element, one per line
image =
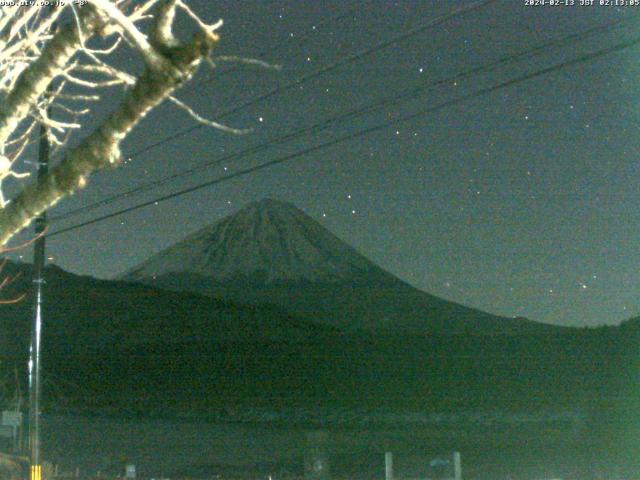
<point x="34" y="81"/>
<point x="101" y="149"/>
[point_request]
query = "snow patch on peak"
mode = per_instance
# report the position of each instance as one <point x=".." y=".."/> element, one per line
<point x="267" y="241"/>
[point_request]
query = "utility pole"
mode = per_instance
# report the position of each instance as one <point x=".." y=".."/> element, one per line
<point x="35" y="386"/>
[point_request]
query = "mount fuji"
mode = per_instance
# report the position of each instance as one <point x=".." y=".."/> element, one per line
<point x="272" y="252"/>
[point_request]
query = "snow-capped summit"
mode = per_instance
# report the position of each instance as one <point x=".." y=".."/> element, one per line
<point x="272" y="252"/>
<point x="266" y="242"/>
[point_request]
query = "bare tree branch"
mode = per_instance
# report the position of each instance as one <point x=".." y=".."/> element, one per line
<point x="51" y="77"/>
<point x="101" y="149"/>
<point x="205" y="121"/>
<point x="34" y="80"/>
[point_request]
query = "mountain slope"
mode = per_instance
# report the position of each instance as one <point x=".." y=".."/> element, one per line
<point x="271" y="252"/>
<point x="116" y="347"/>
<point x="265" y="243"/>
<point x="82" y="315"/>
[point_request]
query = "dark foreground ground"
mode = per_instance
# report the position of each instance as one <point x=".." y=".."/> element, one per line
<point x="244" y="375"/>
<point x="520" y="448"/>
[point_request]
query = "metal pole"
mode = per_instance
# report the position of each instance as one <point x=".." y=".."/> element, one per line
<point x="457" y="466"/>
<point x="388" y="466"/>
<point x="36" y="326"/>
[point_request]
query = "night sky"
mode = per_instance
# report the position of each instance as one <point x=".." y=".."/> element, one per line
<point x="522" y="202"/>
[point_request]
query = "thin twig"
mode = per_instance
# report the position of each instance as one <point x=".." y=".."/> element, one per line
<point x="206" y="121"/>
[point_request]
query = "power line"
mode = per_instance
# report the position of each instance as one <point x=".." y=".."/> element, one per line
<point x="264" y="52"/>
<point x="318" y="126"/>
<point x="485" y="91"/>
<point x="321" y="71"/>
